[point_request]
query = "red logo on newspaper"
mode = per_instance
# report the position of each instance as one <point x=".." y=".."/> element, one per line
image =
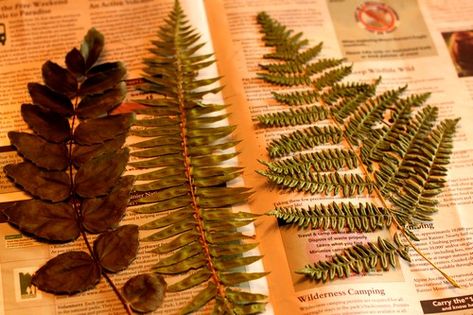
<point x="376" y="17"/>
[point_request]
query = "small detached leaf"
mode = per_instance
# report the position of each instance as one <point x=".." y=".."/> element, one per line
<point x="103" y="214"/>
<point x="47" y="124"/>
<point x="50" y="221"/>
<point x="97" y="176"/>
<point x="145" y="292"/>
<point x="51" y="156"/>
<point x="116" y="249"/>
<point x="99" y="130"/>
<point x="68" y="273"/>
<point x="47" y="185"/>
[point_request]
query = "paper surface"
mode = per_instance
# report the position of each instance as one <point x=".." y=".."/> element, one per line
<point x="424" y="44"/>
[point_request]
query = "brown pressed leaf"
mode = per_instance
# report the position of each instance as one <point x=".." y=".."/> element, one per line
<point x="49" y="125"/>
<point x="50" y="221"/>
<point x="145" y="292"/>
<point x="92" y="47"/>
<point x="59" y="79"/>
<point x="98" y="130"/>
<point x="102" y="214"/>
<point x="75" y="61"/>
<point x="83" y="153"/>
<point x="68" y="273"/>
<point x="47" y="98"/>
<point x="93" y="106"/>
<point x="51" y="156"/>
<point x="116" y="249"/>
<point x="97" y="176"/>
<point x="47" y="185"/>
<point x="103" y="77"/>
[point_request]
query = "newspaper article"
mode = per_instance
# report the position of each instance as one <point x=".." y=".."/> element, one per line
<point x="401" y="41"/>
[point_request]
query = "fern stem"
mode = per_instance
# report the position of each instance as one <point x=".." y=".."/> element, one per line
<point x="395" y="221"/>
<point x="180" y="92"/>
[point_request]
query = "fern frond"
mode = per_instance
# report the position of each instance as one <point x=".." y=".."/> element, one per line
<point x="357" y="259"/>
<point x="307" y="138"/>
<point x="320" y="161"/>
<point x="297" y="97"/>
<point x="390" y="137"/>
<point x="183" y="179"/>
<point x="362" y="218"/>
<point x="293" y="117"/>
<point x="333" y="183"/>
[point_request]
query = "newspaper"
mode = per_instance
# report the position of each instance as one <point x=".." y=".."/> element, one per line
<point x="419" y="43"/>
<point x="410" y="43"/>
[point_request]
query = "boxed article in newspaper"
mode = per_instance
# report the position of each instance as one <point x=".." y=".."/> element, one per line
<point x="395" y="40"/>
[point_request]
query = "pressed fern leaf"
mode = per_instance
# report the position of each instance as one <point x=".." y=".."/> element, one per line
<point x="183" y="177"/>
<point x="387" y="144"/>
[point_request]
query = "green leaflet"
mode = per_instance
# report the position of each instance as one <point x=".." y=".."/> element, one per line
<point x="399" y="149"/>
<point x="183" y="156"/>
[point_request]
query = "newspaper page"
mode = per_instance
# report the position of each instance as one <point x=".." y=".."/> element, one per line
<point x="32" y="32"/>
<point x="404" y="42"/>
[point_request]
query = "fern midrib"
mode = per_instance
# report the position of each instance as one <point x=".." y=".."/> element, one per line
<point x="188" y="166"/>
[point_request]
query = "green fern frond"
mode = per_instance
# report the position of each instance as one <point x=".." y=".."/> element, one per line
<point x="307" y="138"/>
<point x="320" y="161"/>
<point x="294" y="117"/>
<point x="332" y="183"/>
<point x="183" y="180"/>
<point x="362" y="218"/>
<point x="390" y="137"/>
<point x="285" y="79"/>
<point x="358" y="259"/>
<point x="297" y="97"/>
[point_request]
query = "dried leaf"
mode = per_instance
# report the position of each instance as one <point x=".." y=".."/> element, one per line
<point x="59" y="79"/>
<point x="92" y="47"/>
<point x="191" y="281"/>
<point x="68" y="273"/>
<point x="47" y="185"/>
<point x="51" y="156"/>
<point x="99" y="130"/>
<point x="75" y="61"/>
<point x="49" y="125"/>
<point x="83" y="153"/>
<point x="93" y="106"/>
<point x="97" y="176"/>
<point x="50" y="221"/>
<point x="116" y="249"/>
<point x="102" y="77"/>
<point x="145" y="292"/>
<point x="102" y="214"/>
<point x="201" y="299"/>
<point x="47" y="98"/>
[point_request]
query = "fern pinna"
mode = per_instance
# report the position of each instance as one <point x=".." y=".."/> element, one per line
<point x="183" y="180"/>
<point x="389" y="147"/>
